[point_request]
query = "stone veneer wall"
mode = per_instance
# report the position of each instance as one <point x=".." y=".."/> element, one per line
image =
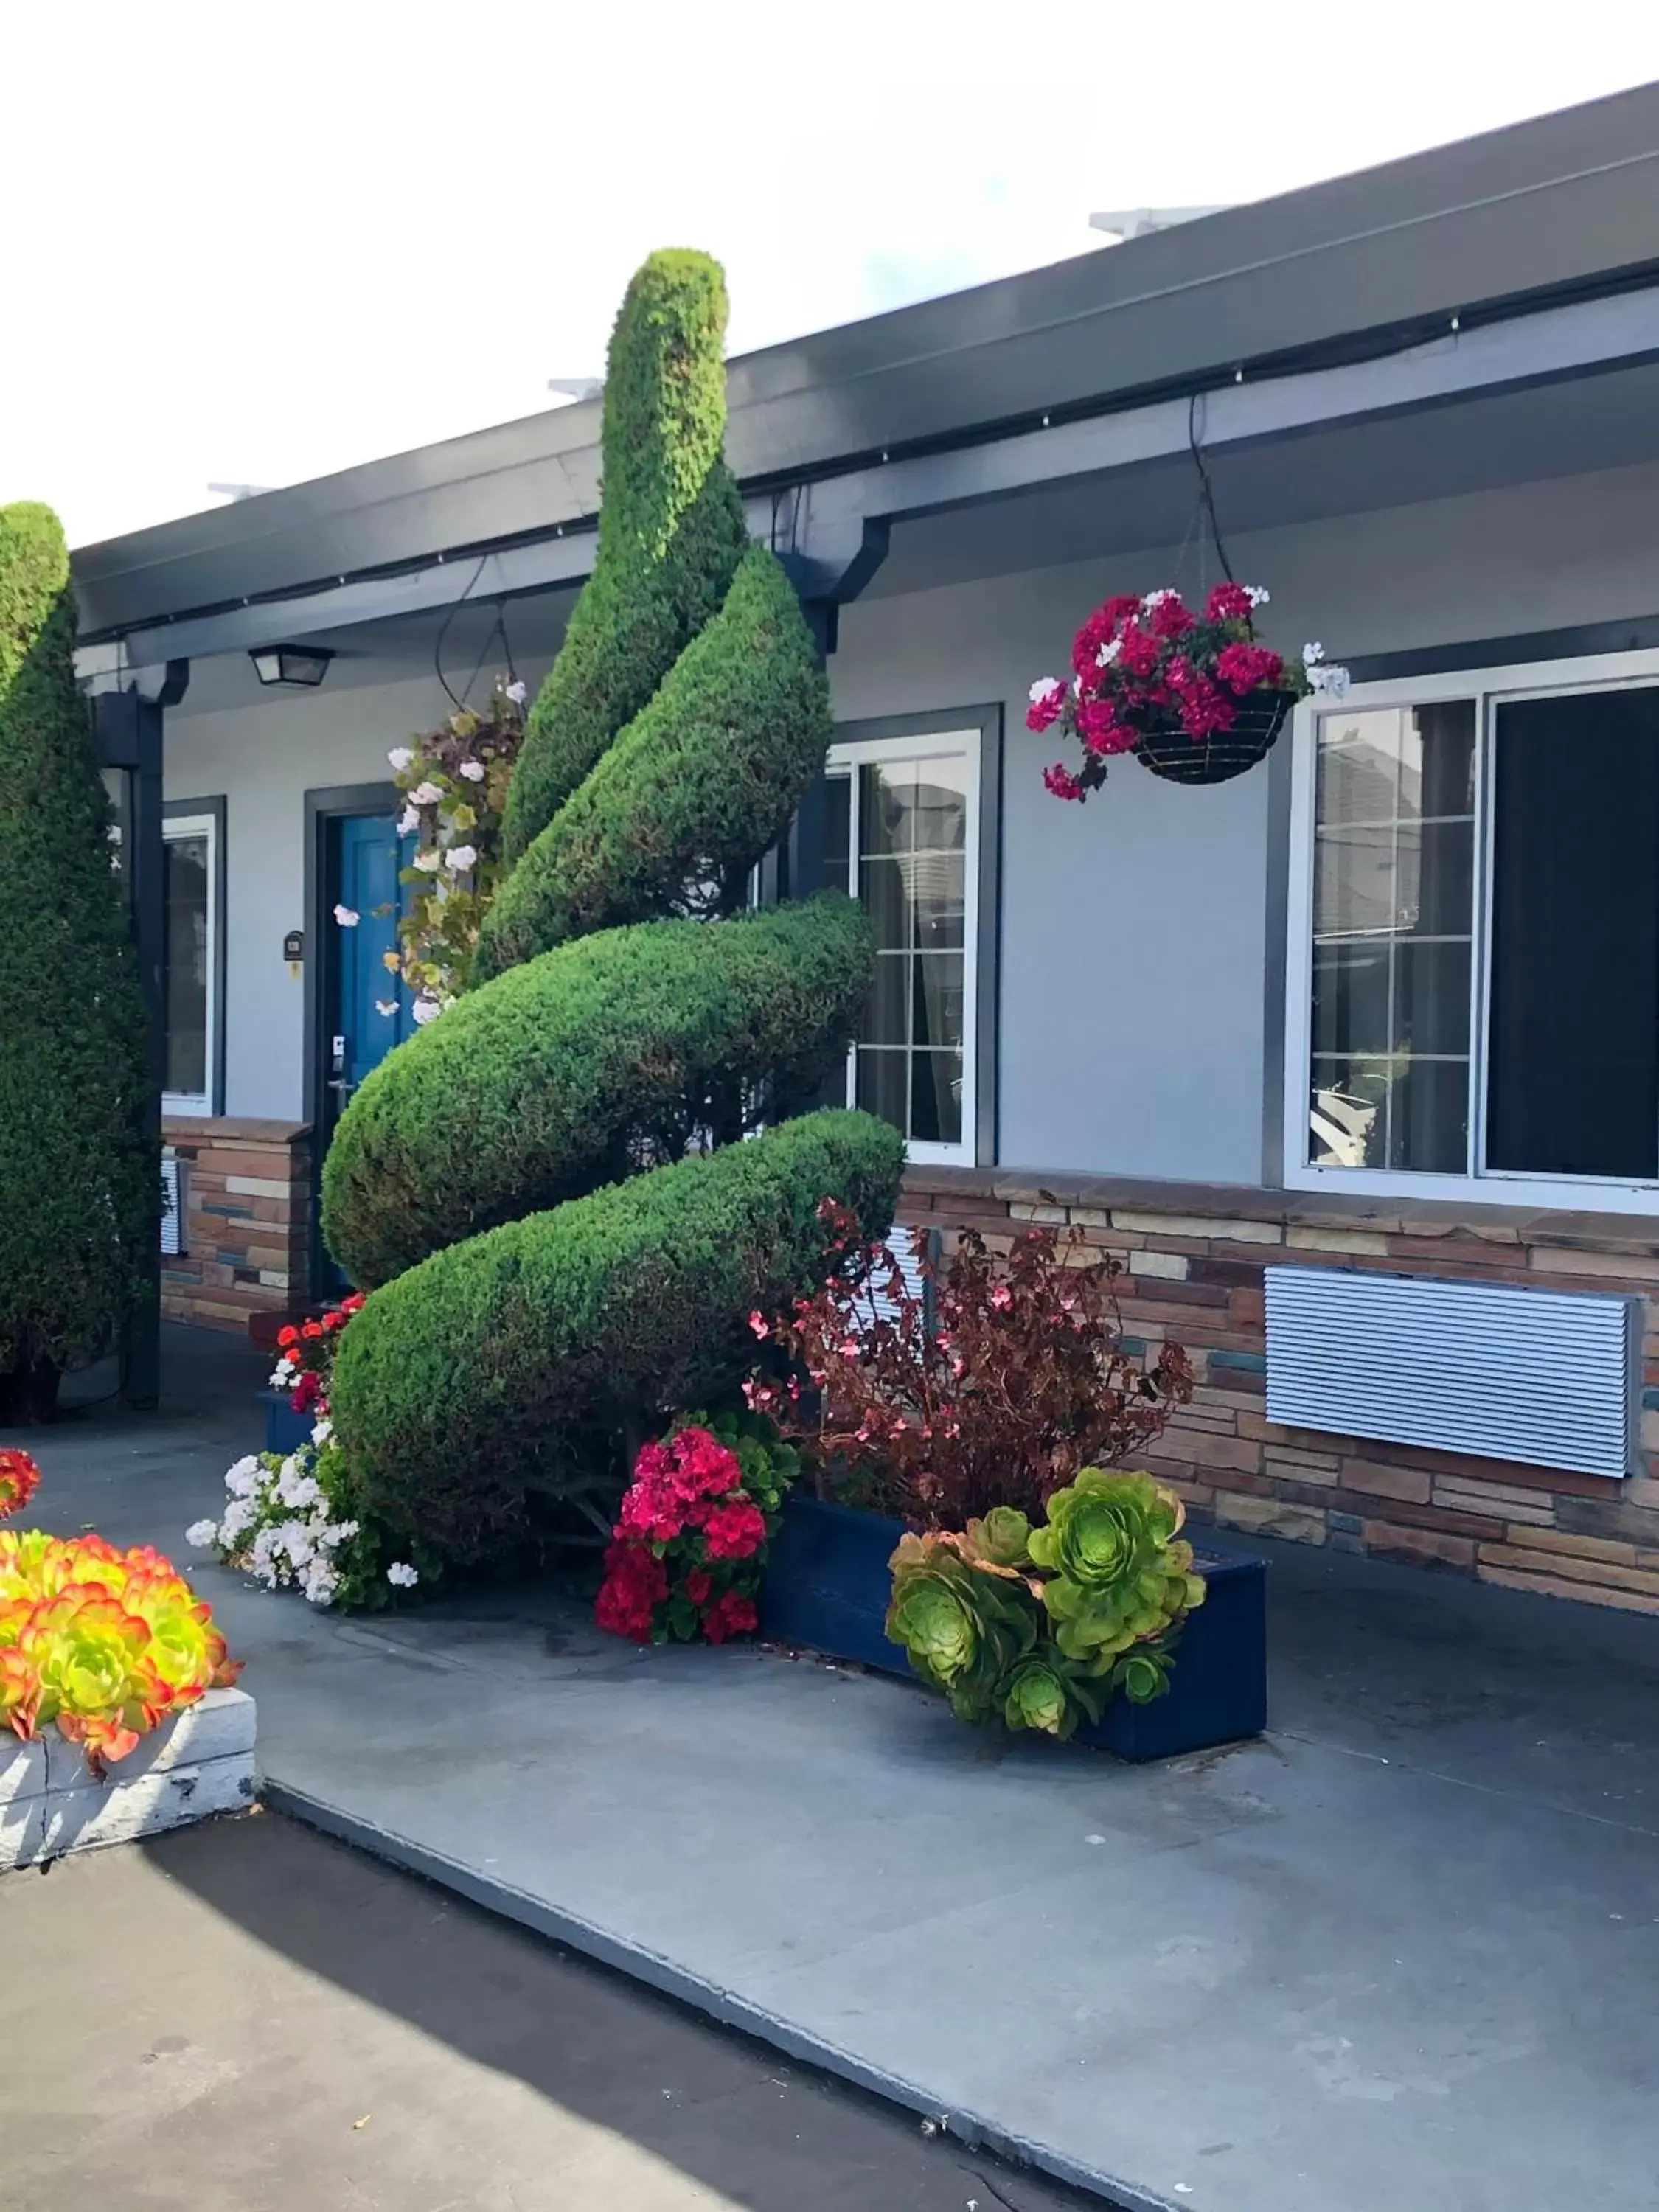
<point x="246" y="1202"/>
<point x="1194" y="1259"/>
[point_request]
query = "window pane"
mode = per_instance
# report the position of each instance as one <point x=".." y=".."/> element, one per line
<point x="882" y="888"/>
<point x="936" y="1097"/>
<point x="1573" y="1082"/>
<point x="887" y="809"/>
<point x="185" y="986"/>
<point x="941" y="805"/>
<point x="1350" y="998"/>
<point x="887" y="1016"/>
<point x="936" y="999"/>
<point x="1394" y="891"/>
<point x="837" y="834"/>
<point x="934" y="883"/>
<point x="1431" y="998"/>
<point x="882" y="1086"/>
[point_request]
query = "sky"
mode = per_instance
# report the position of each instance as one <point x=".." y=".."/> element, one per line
<point x="255" y="243"/>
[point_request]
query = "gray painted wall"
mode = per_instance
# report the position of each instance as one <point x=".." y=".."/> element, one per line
<point x="1135" y="982"/>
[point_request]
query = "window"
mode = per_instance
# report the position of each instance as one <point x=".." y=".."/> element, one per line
<point x="901" y="832"/>
<point x="192" y="956"/>
<point x="1475" y="966"/>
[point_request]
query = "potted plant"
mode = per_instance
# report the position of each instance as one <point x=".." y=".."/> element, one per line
<point x="1195" y="696"/>
<point x="922" y="1417"/>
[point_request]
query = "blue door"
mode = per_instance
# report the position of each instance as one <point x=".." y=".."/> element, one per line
<point x="366" y="1007"/>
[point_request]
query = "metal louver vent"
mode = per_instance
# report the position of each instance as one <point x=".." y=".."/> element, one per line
<point x="907" y="1247"/>
<point x="172" y="1222"/>
<point x="1544" y="1377"/>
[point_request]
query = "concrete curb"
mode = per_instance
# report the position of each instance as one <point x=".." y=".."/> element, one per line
<point x="722" y="2005"/>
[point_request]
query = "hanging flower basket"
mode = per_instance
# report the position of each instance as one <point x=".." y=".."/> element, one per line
<point x="1196" y="697"/>
<point x="1178" y="757"/>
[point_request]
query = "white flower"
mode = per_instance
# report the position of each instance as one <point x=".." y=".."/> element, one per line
<point x="322" y="1430"/>
<point x="408" y="821"/>
<point x="1157" y="599"/>
<point x="425" y="794"/>
<point x="400" y="757"/>
<point x="298" y="1491"/>
<point x="386" y="1006"/>
<point x="1310" y="653"/>
<point x="1333" y="681"/>
<point x="401" y="1574"/>
<point x="202" y="1535"/>
<point x="426" y="1010"/>
<point x="240" y="1516"/>
<point x="347" y="917"/>
<point x="1109" y="653"/>
<point x="1044" y="689"/>
<point x="461" y="857"/>
<point x="1258" y="594"/>
<point x="473" y="771"/>
<point x="430" y="860"/>
<point x="244" y="1478"/>
<point x="320" y="1582"/>
<point x="515" y="692"/>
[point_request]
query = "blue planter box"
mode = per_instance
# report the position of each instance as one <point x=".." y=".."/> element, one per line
<point x="826" y="1584"/>
<point x="285" y="1430"/>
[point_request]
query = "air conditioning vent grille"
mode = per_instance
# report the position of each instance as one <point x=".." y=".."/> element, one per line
<point x="1546" y="1378"/>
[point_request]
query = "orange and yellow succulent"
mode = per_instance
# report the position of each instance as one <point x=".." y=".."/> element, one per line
<point x="104" y="1644"/>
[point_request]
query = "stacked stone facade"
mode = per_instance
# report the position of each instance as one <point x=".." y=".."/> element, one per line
<point x="245" y="1187"/>
<point x="1194" y="1260"/>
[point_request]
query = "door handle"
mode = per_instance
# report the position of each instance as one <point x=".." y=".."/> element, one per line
<point x="342" y="1086"/>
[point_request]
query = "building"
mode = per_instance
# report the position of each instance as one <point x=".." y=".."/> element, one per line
<point x="1369" y="1034"/>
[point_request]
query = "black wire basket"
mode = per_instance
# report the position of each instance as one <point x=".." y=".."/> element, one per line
<point x="1223" y="754"/>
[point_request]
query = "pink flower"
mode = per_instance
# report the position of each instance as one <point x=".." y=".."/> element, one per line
<point x="1060" y="780"/>
<point x="1228" y="602"/>
<point x="1101" y="731"/>
<point x="758" y="1325"/>
<point x="1048" y="698"/>
<point x="1002" y="1297"/>
<point x="1140" y="653"/>
<point x="1242" y="668"/>
<point x="734" y="1531"/>
<point x="1170" y="617"/>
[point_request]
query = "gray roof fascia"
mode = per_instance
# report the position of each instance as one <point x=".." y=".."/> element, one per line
<point x="825" y="529"/>
<point x="1560" y="206"/>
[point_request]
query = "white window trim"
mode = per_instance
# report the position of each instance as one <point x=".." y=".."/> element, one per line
<point x="200" y="1103"/>
<point x="1489" y="688"/>
<point x="845" y="758"/>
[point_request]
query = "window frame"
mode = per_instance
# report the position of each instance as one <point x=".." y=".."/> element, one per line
<point x="192" y="818"/>
<point x="975" y="735"/>
<point x="1490" y="687"/>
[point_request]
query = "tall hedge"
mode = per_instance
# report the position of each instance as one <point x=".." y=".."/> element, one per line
<point x="543" y="1189"/>
<point x="80" y="1183"/>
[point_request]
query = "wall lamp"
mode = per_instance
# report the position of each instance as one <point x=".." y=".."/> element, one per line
<point x="304" y="665"/>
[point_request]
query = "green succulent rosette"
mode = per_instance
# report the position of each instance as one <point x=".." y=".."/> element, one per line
<point x="965" y="1627"/>
<point x="1143" y="1673"/>
<point x="1118" y="1576"/>
<point x="1048" y="1692"/>
<point x="1002" y="1539"/>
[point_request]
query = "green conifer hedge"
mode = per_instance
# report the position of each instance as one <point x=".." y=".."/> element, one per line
<point x="80" y="1180"/>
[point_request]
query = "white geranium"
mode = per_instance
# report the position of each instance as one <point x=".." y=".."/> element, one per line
<point x="1109" y="653"/>
<point x="401" y="1574"/>
<point x="516" y="693"/>
<point x="202" y="1535"/>
<point x="1312" y="653"/>
<point x="347" y="916"/>
<point x="429" y="861"/>
<point x="1044" y="690"/>
<point x="321" y="1430"/>
<point x="386" y="1006"/>
<point x="1331" y="680"/>
<point x="474" y="771"/>
<point x="459" y="858"/>
<point x="408" y="821"/>
<point x="426" y="1010"/>
<point x="400" y="757"/>
<point x="1258" y="594"/>
<point x="425" y="794"/>
<point x="1157" y="599"/>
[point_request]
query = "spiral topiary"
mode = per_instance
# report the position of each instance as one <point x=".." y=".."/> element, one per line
<point x="541" y="1191"/>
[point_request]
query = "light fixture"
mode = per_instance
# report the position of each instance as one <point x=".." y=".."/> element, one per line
<point x="304" y="665"/>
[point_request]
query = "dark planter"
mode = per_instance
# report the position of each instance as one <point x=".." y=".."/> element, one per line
<point x="1170" y="753"/>
<point x="826" y="1584"/>
<point x="285" y="1430"/>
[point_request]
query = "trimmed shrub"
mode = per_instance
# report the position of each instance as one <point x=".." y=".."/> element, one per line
<point x="566" y="1242"/>
<point x="603" y="1055"/>
<point x="81" y="1182"/>
<point x="515" y="1363"/>
<point x="671" y="532"/>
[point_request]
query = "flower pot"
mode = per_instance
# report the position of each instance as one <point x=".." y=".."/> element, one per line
<point x="827" y="1585"/>
<point x="1223" y="754"/>
<point x="285" y="1430"/>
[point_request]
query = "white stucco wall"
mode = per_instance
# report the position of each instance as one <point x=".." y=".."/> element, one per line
<point x="1135" y="928"/>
